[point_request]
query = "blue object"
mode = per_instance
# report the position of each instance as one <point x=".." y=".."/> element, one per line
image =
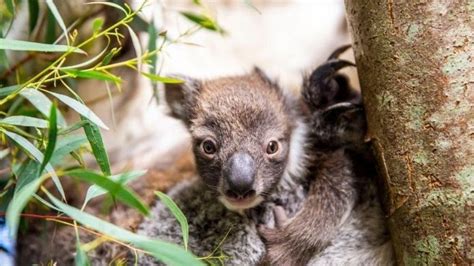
<point x="7" y="245"/>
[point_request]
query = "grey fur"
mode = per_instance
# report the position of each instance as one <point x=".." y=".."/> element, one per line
<point x="209" y="222"/>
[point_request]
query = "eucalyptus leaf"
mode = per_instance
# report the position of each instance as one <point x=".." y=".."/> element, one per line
<point x="52" y="7"/>
<point x="5" y="91"/>
<point x="162" y="79"/>
<point x="97" y="144"/>
<point x="97" y="25"/>
<point x="52" y="137"/>
<point x="50" y="31"/>
<point x="93" y="74"/>
<point x="168" y="253"/>
<point x="96" y="191"/>
<point x="25" y="121"/>
<point x="10" y="6"/>
<point x="108" y="57"/>
<point x="37" y="155"/>
<point x="88" y="62"/>
<point x="108" y="4"/>
<point x="65" y="146"/>
<point x="114" y="188"/>
<point x="33" y="10"/>
<point x="81" y="258"/>
<point x="29" y="170"/>
<point x="42" y="103"/>
<point x="16" y="45"/>
<point x="18" y="203"/>
<point x="137" y="46"/>
<point x="178" y="214"/>
<point x="202" y="21"/>
<point x="80" y="108"/>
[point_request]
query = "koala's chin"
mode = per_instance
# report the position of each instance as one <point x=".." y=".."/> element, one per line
<point x="239" y="205"/>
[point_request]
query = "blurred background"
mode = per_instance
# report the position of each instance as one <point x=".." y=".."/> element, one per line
<point x="285" y="38"/>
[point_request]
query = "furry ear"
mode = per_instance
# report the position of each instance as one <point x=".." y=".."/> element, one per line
<point x="181" y="97"/>
<point x="259" y="73"/>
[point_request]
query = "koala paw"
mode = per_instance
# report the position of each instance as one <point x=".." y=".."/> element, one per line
<point x="278" y="252"/>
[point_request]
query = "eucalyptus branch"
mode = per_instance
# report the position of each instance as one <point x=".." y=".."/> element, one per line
<point x="124" y="21"/>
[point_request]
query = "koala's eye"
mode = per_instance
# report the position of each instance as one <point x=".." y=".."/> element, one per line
<point x="272" y="147"/>
<point x="209" y="147"/>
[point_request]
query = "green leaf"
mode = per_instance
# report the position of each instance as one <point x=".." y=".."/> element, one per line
<point x="108" y="4"/>
<point x="109" y="56"/>
<point x="178" y="214"/>
<point x="18" y="203"/>
<point x="168" y="253"/>
<point x="96" y="191"/>
<point x="162" y="79"/>
<point x="10" y="6"/>
<point x="97" y="25"/>
<point x="4" y="64"/>
<point x="25" y="121"/>
<point x="28" y="172"/>
<point x="37" y="155"/>
<point x="50" y="32"/>
<point x="52" y="137"/>
<point x="81" y="258"/>
<point x="88" y="62"/>
<point x="7" y="44"/>
<point x="65" y="146"/>
<point x="33" y="9"/>
<point x="114" y="188"/>
<point x="5" y="91"/>
<point x="47" y="204"/>
<point x="152" y="36"/>
<point x="97" y="144"/>
<point x="80" y="108"/>
<point x="203" y="21"/>
<point x="42" y="103"/>
<point x="136" y="45"/>
<point x="152" y="39"/>
<point x="72" y="128"/>
<point x="57" y="16"/>
<point x="92" y="74"/>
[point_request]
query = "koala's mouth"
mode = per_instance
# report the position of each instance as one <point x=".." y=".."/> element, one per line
<point x="241" y="203"/>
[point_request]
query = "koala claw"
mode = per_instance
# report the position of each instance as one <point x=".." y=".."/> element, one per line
<point x="280" y="216"/>
<point x="270" y="235"/>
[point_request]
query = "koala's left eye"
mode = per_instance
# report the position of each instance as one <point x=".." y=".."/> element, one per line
<point x="209" y="147"/>
<point x="272" y="147"/>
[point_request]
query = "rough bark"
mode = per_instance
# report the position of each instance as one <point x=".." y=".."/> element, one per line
<point x="416" y="68"/>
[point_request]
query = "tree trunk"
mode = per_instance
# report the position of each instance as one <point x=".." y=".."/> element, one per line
<point x="416" y="69"/>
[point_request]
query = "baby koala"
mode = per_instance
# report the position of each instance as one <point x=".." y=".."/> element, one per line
<point x="247" y="138"/>
<point x="253" y="146"/>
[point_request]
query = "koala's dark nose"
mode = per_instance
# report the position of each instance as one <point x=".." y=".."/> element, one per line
<point x="240" y="175"/>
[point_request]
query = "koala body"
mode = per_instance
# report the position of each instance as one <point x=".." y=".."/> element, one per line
<point x="256" y="148"/>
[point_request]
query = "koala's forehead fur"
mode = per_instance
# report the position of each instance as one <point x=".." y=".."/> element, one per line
<point x="240" y="107"/>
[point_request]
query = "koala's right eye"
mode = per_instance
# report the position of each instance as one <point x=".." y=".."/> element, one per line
<point x="208" y="146"/>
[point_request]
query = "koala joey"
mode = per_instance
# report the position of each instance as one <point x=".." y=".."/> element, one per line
<point x="263" y="154"/>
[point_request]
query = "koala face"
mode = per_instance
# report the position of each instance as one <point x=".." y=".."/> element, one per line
<point x="241" y="129"/>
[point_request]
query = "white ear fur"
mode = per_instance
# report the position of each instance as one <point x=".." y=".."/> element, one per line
<point x="296" y="165"/>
